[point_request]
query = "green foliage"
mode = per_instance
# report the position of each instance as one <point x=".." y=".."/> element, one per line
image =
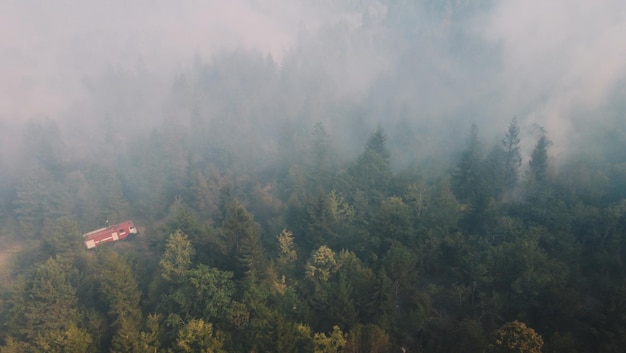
<point x="177" y="257"/>
<point x="322" y="264"/>
<point x="466" y="176"/>
<point x="197" y="336"/>
<point x="45" y="300"/>
<point x="512" y="156"/>
<point x="40" y="199"/>
<point x="287" y="255"/>
<point x="64" y="240"/>
<point x="368" y="338"/>
<point x="14" y="346"/>
<point x="393" y="221"/>
<point x="331" y="343"/>
<point x="372" y="171"/>
<point x="119" y="286"/>
<point x="516" y="337"/>
<point x="71" y="340"/>
<point x="149" y="338"/>
<point x="538" y="164"/>
<point x="204" y="292"/>
<point x="321" y="158"/>
<point x="398" y="260"/>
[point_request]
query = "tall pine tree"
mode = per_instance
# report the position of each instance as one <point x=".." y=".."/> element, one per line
<point x="512" y="156"/>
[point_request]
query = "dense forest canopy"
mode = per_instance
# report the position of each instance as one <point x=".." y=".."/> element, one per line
<point x="384" y="176"/>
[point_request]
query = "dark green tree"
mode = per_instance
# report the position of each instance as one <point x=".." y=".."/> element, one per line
<point x="538" y="164"/>
<point x="39" y="201"/>
<point x="63" y="240"/>
<point x="238" y="223"/>
<point x="205" y="293"/>
<point x="470" y="185"/>
<point x="466" y="181"/>
<point x="372" y="172"/>
<point x="44" y="301"/>
<point x="368" y="338"/>
<point x="393" y="221"/>
<point x="321" y="164"/>
<point x="118" y="283"/>
<point x="512" y="156"/>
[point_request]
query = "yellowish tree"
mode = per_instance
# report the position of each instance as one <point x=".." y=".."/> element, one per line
<point x="516" y="337"/>
<point x="197" y="336"/>
<point x="332" y="343"/>
<point x="177" y="257"/>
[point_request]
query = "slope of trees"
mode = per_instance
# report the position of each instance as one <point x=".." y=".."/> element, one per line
<point x="326" y="256"/>
<point x="264" y="231"/>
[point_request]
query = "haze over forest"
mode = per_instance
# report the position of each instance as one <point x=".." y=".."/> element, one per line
<point x="302" y="154"/>
<point x="426" y="64"/>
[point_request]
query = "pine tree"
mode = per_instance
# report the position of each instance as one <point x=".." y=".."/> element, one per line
<point x="321" y="158"/>
<point x="119" y="286"/>
<point x="177" y="257"/>
<point x="538" y="164"/>
<point x="466" y="182"/>
<point x="46" y="301"/>
<point x="198" y="336"/>
<point x="512" y="156"/>
<point x="372" y="172"/>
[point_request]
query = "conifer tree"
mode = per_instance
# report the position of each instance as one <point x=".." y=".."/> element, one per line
<point x="512" y="156"/>
<point x="466" y="182"/>
<point x="119" y="286"/>
<point x="372" y="172"/>
<point x="45" y="301"/>
<point x="538" y="164"/>
<point x="177" y="257"/>
<point x="198" y="336"/>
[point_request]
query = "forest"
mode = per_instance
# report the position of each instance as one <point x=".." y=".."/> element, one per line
<point x="298" y="205"/>
<point x="315" y="255"/>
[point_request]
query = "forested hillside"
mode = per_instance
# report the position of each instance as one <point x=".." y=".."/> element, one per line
<point x="308" y="253"/>
<point x="402" y="178"/>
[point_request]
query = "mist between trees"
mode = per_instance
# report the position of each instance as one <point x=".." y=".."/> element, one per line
<point x="385" y="184"/>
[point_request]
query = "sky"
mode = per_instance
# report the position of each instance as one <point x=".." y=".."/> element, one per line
<point x="548" y="62"/>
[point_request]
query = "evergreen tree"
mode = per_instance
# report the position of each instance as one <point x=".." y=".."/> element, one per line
<point x="63" y="240"/>
<point x="45" y="301"/>
<point x="177" y="257"/>
<point x="538" y="164"/>
<point x="321" y="158"/>
<point x="204" y="292"/>
<point x="372" y="172"/>
<point x="368" y="338"/>
<point x="119" y="286"/>
<point x="470" y="184"/>
<point x="287" y="255"/>
<point x="466" y="177"/>
<point x="512" y="156"/>
<point x="198" y="336"/>
<point x="331" y="343"/>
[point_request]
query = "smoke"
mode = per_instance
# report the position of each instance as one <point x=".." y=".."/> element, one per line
<point x="559" y="61"/>
<point x="424" y="65"/>
<point x="49" y="48"/>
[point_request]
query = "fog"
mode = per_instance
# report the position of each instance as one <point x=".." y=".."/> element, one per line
<point x="308" y="175"/>
<point x="424" y="68"/>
